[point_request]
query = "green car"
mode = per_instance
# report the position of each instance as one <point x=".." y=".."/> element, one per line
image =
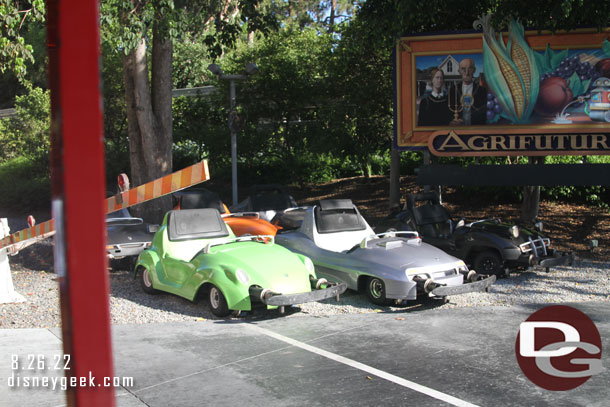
<point x="195" y="251"/>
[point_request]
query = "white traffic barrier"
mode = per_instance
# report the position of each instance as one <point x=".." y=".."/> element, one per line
<point x="7" y="292"/>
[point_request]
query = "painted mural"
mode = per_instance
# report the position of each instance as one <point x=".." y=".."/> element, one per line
<point x="510" y="83"/>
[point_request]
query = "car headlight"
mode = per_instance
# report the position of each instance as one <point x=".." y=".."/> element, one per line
<point x="514" y="231"/>
<point x="242" y="276"/>
<point x="309" y="265"/>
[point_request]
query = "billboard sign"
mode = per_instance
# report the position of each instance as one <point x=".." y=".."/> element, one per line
<point x="497" y="94"/>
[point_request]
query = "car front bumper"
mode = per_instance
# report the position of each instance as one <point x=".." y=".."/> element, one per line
<point x="281" y="300"/>
<point x="556" y="258"/>
<point x="479" y="285"/>
<point x="119" y="251"/>
<point x="517" y="260"/>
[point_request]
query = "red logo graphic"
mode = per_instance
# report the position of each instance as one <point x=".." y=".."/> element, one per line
<point x="559" y="348"/>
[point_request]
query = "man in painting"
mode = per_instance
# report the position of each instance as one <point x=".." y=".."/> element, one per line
<point x="468" y="99"/>
<point x="433" y="107"/>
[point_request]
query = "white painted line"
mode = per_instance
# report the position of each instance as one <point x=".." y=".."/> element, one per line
<point x="361" y="366"/>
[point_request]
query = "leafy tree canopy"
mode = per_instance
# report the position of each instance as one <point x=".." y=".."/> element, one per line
<point x="14" y="51"/>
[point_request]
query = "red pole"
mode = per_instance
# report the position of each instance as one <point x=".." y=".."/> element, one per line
<point x="78" y="192"/>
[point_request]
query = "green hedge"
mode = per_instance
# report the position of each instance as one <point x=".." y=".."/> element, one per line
<point x="22" y="186"/>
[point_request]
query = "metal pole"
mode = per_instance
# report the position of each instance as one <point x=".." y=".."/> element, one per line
<point x="233" y="142"/>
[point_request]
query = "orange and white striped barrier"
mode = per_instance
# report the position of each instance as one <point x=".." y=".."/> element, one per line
<point x="26" y="237"/>
<point x="168" y="184"/>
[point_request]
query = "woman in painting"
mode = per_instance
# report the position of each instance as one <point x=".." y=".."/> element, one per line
<point x="433" y="107"/>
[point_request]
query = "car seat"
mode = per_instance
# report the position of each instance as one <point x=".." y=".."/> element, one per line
<point x="338" y="225"/>
<point x="190" y="230"/>
<point x="431" y="218"/>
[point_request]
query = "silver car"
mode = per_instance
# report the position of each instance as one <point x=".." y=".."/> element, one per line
<point x="388" y="266"/>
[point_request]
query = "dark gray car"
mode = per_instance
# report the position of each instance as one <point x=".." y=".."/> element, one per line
<point x="127" y="235"/>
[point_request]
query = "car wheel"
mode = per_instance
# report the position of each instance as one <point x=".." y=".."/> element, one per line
<point x="488" y="262"/>
<point x="375" y="291"/>
<point x="146" y="281"/>
<point x="218" y="303"/>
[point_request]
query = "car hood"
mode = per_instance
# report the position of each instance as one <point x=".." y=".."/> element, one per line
<point x="503" y="230"/>
<point x="403" y="254"/>
<point x="492" y="227"/>
<point x="267" y="265"/>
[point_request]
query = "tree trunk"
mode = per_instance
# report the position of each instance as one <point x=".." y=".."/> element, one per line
<point x="331" y="18"/>
<point x="531" y="197"/>
<point x="162" y="97"/>
<point x="149" y="117"/>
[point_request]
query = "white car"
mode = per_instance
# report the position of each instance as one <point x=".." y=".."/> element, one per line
<point x="388" y="266"/>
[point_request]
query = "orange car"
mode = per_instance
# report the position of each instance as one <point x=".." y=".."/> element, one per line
<point x="242" y="223"/>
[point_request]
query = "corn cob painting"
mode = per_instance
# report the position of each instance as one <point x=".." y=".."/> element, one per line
<point x="510" y="69"/>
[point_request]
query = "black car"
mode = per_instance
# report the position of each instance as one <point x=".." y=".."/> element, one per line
<point x="198" y="198"/>
<point x="487" y="246"/>
<point x="127" y="235"/>
<point x="267" y="200"/>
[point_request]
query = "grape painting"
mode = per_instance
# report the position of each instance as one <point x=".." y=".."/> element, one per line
<point x="567" y="79"/>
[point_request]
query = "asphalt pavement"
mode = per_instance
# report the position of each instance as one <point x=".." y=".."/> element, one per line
<point x="432" y="357"/>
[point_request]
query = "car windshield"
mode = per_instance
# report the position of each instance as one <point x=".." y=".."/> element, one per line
<point x="338" y="220"/>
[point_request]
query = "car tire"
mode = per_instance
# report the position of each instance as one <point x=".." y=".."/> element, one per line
<point x="375" y="291"/>
<point x="218" y="302"/>
<point x="146" y="281"/>
<point x="489" y="262"/>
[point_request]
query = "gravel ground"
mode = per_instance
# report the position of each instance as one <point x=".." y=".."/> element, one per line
<point x="584" y="281"/>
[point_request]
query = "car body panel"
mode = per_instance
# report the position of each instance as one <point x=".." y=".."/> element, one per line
<point x="249" y="224"/>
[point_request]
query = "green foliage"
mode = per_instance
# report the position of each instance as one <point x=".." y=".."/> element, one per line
<point x="190" y="64"/>
<point x="555" y="15"/>
<point x="15" y="53"/>
<point x="115" y="119"/>
<point x="593" y="194"/>
<point x="23" y="186"/>
<point x="280" y="107"/>
<point x="27" y="134"/>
